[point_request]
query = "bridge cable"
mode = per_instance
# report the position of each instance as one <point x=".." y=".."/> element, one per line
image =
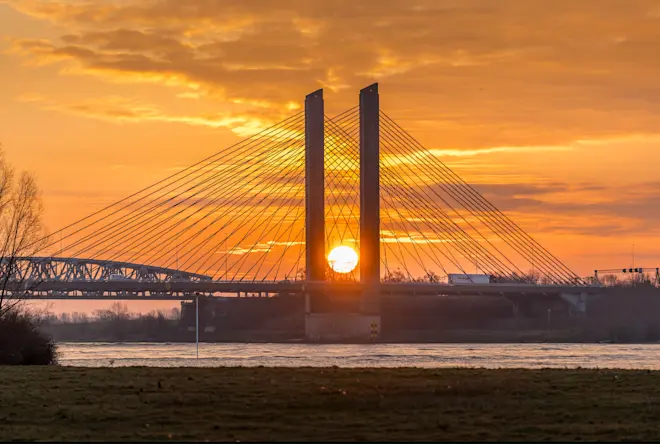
<point x="340" y="169"/>
<point x="514" y="229"/>
<point x="282" y="185"/>
<point x="427" y="271"/>
<point x="475" y="247"/>
<point x="232" y="200"/>
<point x="133" y="216"/>
<point x="436" y="260"/>
<point x="477" y="215"/>
<point x="355" y="124"/>
<point x="217" y="198"/>
<point x="245" y="213"/>
<point x="204" y="162"/>
<point x="278" y="224"/>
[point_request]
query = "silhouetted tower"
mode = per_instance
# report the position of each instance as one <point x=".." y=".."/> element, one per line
<point x="369" y="199"/>
<point x="315" y="260"/>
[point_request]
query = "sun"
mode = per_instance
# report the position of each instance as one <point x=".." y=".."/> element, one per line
<point x="343" y="259"/>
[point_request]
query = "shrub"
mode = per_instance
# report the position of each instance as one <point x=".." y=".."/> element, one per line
<point x="21" y="342"/>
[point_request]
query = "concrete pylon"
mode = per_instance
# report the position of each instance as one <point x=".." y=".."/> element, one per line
<point x="370" y="199"/>
<point x="315" y="260"/>
<point x="362" y="326"/>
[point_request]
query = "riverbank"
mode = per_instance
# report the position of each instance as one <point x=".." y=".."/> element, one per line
<point x="92" y="333"/>
<point x="321" y="404"/>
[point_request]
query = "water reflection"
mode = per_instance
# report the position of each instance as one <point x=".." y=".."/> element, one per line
<point x="634" y="356"/>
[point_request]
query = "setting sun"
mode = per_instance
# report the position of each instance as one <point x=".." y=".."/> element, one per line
<point x="343" y="259"/>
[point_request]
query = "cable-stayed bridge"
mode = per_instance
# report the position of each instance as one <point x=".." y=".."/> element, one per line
<point x="261" y="216"/>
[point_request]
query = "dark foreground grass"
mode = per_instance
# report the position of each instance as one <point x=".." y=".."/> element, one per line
<point x="282" y="404"/>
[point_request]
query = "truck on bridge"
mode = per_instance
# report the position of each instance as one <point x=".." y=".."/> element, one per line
<point x="468" y="279"/>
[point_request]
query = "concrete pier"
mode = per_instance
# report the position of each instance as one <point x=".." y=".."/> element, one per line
<point x="342" y="327"/>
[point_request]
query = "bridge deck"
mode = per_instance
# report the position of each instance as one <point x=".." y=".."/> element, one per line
<point x="131" y="290"/>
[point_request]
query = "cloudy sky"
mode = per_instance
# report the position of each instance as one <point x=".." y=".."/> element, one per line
<point x="551" y="108"/>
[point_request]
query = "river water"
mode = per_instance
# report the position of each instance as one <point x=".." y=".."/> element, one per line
<point x="629" y="356"/>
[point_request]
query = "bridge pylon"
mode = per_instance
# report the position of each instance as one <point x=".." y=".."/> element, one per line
<point x="370" y="200"/>
<point x="362" y="324"/>
<point x="315" y="261"/>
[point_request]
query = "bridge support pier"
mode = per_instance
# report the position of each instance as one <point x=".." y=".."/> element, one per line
<point x="577" y="303"/>
<point x="363" y="325"/>
<point x="515" y="308"/>
<point x="342" y="327"/>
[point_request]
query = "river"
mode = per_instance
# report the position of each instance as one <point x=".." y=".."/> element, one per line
<point x="95" y="354"/>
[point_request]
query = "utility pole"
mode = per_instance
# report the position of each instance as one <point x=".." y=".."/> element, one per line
<point x="633" y="277"/>
<point x="197" y="324"/>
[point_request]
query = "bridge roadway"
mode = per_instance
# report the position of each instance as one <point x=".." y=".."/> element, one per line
<point x="82" y="278"/>
<point x="187" y="290"/>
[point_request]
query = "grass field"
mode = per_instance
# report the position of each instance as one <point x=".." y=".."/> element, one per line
<point x="283" y="404"/>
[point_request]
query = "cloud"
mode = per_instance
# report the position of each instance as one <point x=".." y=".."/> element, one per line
<point x="471" y="79"/>
<point x="486" y="74"/>
<point x="414" y="156"/>
<point x="124" y="110"/>
<point x="496" y="149"/>
<point x="585" y="209"/>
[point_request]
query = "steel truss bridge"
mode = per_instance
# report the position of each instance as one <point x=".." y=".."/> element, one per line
<point x="261" y="215"/>
<point x="61" y="269"/>
<point x="67" y="278"/>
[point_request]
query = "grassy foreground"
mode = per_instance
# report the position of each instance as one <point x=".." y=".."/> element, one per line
<point x="247" y="404"/>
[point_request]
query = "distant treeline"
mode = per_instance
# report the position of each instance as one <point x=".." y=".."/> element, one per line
<point x="116" y="323"/>
<point x="116" y="312"/>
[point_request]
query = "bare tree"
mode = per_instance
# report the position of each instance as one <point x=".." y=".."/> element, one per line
<point x="610" y="280"/>
<point x="533" y="277"/>
<point x="432" y="276"/>
<point x="396" y="275"/>
<point x="117" y="312"/>
<point x="79" y="318"/>
<point x="21" y="230"/>
<point x="546" y="280"/>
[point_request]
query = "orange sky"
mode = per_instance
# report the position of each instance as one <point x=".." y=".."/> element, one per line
<point x="552" y="108"/>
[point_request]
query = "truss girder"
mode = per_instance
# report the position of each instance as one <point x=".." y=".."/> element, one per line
<point x="61" y="269"/>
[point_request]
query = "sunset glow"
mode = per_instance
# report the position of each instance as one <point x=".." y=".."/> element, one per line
<point x="343" y="259"/>
<point x="103" y="98"/>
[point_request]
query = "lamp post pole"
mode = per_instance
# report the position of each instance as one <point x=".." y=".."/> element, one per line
<point x="197" y="324"/>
